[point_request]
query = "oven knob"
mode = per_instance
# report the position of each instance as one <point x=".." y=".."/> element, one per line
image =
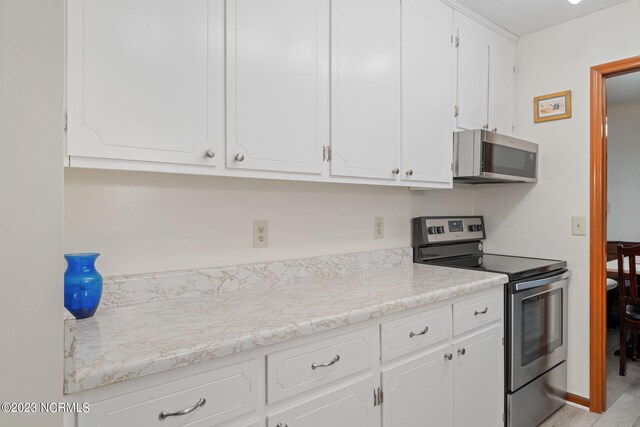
<point x="480" y="260"/>
<point x="478" y="227"/>
<point x="479" y="246"/>
<point x="441" y="229"/>
<point x="472" y="227"/>
<point x="432" y="230"/>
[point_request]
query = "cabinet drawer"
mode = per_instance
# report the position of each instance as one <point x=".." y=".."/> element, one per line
<point x="302" y="368"/>
<point x="229" y="392"/>
<point x="476" y="312"/>
<point x="412" y="333"/>
<point x="351" y="405"/>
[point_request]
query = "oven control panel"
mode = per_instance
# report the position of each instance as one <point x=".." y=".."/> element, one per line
<point x="439" y="229"/>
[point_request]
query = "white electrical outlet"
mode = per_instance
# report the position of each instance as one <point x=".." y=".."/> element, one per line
<point x="579" y="225"/>
<point x="378" y="227"/>
<point x="260" y="233"/>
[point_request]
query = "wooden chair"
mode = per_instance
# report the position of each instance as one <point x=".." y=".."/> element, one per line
<point x="612" y="248"/>
<point x="629" y="302"/>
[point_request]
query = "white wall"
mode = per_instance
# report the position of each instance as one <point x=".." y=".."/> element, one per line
<point x="144" y="222"/>
<point x="31" y="187"/>
<point x="623" y="171"/>
<point x="536" y="220"/>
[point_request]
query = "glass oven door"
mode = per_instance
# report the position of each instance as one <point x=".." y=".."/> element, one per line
<point x="538" y="329"/>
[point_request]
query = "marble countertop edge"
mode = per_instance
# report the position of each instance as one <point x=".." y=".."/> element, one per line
<point x="111" y="372"/>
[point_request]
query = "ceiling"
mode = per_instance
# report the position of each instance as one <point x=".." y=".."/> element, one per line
<point x="527" y="16"/>
<point x="625" y="88"/>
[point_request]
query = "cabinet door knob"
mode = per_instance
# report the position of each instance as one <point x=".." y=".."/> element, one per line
<point x="396" y="171"/>
<point x="448" y="356"/>
<point x="495" y="129"/>
<point x="282" y="425"/>
<point x="238" y="157"/>
<point x="409" y="172"/>
<point x="461" y="351"/>
<point x="210" y="153"/>
<point x="485" y="126"/>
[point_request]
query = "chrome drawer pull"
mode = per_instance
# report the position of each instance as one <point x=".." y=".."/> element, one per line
<point x="448" y="356"/>
<point x="475" y="313"/>
<point x="324" y="365"/>
<point x="424" y="331"/>
<point x="200" y="403"/>
<point x="461" y="351"/>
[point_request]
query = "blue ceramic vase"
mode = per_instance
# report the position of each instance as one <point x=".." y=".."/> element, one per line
<point x="82" y="285"/>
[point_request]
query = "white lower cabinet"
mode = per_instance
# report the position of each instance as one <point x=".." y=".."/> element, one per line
<point x="349" y="406"/>
<point x="418" y="392"/>
<point x="478" y="379"/>
<point x="441" y="365"/>
<point x="458" y="382"/>
<point x="292" y="371"/>
<point x="209" y="399"/>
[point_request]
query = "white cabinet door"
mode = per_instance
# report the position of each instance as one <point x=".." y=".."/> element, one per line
<point x="473" y="73"/>
<point x="418" y="391"/>
<point x="428" y="78"/>
<point x="478" y="379"/>
<point x="365" y="87"/>
<point x="145" y="80"/>
<point x="501" y="87"/>
<point x="349" y="406"/>
<point x="277" y="84"/>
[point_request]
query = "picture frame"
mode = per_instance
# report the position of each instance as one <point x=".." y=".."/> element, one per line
<point x="554" y="106"/>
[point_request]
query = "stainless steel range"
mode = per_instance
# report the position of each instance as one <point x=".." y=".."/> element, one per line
<point x="535" y="312"/>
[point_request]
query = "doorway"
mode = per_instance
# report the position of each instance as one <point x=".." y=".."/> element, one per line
<point x="598" y="226"/>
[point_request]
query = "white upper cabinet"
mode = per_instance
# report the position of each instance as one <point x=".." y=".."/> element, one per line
<point x="428" y="79"/>
<point x="144" y="80"/>
<point x="277" y="84"/>
<point x="485" y="90"/>
<point x="473" y="73"/>
<point x="501" y="85"/>
<point x="365" y="87"/>
<point x="349" y="91"/>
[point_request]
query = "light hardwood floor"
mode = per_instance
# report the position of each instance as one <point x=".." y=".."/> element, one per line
<point x="623" y="397"/>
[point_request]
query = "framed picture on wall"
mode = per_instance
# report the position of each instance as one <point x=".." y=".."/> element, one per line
<point x="554" y="106"/>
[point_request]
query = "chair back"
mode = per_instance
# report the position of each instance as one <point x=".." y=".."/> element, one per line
<point x="628" y="252"/>
<point x="612" y="248"/>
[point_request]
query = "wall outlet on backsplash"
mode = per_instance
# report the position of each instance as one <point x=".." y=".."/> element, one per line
<point x="260" y="233"/>
<point x="378" y="227"/>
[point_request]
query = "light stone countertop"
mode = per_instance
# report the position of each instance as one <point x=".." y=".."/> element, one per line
<point x="122" y="342"/>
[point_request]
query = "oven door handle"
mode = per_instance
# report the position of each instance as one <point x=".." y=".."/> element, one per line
<point x="522" y="286"/>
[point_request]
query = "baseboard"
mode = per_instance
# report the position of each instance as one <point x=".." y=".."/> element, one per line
<point x="577" y="400"/>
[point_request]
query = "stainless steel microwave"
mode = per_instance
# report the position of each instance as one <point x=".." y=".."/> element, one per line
<point x="484" y="157"/>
